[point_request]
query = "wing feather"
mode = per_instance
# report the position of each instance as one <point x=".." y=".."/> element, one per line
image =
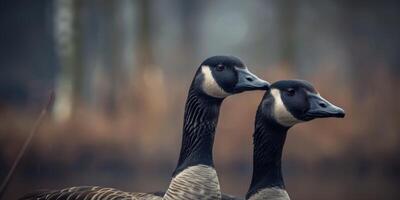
<point x="89" y="193"/>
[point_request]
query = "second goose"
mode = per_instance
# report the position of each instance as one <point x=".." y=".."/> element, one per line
<point x="289" y="102"/>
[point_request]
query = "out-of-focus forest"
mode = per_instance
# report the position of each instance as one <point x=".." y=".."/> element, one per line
<point x="121" y="69"/>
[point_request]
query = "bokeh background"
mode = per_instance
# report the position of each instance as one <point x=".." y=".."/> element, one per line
<point x="121" y="69"/>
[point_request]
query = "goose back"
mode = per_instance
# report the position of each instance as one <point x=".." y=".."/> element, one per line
<point x="89" y="193"/>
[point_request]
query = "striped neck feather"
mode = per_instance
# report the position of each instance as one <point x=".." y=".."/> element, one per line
<point x="269" y="138"/>
<point x="200" y="121"/>
<point x="195" y="176"/>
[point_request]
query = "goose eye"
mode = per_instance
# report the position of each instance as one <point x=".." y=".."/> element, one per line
<point x="220" y="68"/>
<point x="291" y="92"/>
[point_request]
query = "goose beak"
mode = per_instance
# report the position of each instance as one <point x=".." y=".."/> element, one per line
<point x="248" y="81"/>
<point x="321" y="108"/>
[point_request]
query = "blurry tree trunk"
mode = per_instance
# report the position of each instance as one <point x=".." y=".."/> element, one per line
<point x="67" y="36"/>
<point x="125" y="17"/>
<point x="287" y="14"/>
<point x="189" y="15"/>
<point x="150" y="101"/>
<point x="111" y="53"/>
<point x="144" y="53"/>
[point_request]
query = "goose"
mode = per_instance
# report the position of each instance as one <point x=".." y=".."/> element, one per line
<point x="194" y="177"/>
<point x="288" y="102"/>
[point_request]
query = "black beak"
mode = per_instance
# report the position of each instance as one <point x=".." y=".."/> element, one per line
<point x="321" y="108"/>
<point x="248" y="81"/>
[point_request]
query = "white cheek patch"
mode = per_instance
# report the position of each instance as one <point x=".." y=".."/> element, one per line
<point x="281" y="114"/>
<point x="210" y="86"/>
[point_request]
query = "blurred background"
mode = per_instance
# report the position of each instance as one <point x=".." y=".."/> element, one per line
<point x="121" y="69"/>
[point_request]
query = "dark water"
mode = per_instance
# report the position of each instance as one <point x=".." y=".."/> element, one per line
<point x="301" y="184"/>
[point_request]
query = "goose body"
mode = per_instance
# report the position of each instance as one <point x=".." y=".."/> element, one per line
<point x="194" y="177"/>
<point x="288" y="102"/>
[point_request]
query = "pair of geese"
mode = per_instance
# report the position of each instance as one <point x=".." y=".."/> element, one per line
<point x="284" y="104"/>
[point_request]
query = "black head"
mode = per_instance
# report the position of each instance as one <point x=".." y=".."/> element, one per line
<point x="221" y="76"/>
<point x="296" y="101"/>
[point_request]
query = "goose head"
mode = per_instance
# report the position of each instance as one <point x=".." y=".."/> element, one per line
<point x="296" y="101"/>
<point x="221" y="76"/>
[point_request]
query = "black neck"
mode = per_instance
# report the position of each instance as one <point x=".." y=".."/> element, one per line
<point x="269" y="138"/>
<point x="200" y="121"/>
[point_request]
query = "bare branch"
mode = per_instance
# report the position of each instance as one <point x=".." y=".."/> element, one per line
<point x="21" y="153"/>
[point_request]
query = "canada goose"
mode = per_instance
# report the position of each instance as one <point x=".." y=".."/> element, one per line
<point x="287" y="103"/>
<point x="195" y="176"/>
